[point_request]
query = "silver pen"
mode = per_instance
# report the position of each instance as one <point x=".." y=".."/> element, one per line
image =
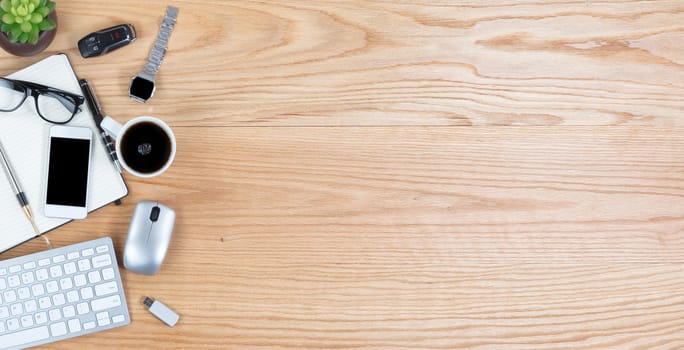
<point x="16" y="188"/>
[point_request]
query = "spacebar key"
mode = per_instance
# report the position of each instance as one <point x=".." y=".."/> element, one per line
<point x="23" y="337"/>
<point x="105" y="303"/>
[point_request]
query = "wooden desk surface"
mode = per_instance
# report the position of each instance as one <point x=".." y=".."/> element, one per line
<point x="425" y="174"/>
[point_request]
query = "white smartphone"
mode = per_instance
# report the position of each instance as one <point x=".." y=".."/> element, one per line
<point x="68" y="172"/>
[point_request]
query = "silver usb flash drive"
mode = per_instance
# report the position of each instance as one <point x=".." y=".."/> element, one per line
<point x="161" y="311"/>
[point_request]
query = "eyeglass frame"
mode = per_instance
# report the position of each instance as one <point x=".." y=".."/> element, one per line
<point x="36" y="90"/>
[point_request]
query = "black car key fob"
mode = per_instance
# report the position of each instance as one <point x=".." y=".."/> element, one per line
<point x="106" y="40"/>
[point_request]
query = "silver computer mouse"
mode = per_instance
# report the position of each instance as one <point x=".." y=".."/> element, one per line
<point x="148" y="237"/>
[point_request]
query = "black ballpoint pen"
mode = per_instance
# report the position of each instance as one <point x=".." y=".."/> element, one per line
<point x="97" y="116"/>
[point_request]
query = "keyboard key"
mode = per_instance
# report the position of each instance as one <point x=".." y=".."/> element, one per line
<point x="55" y="315"/>
<point x="69" y="311"/>
<point x="107" y="274"/>
<point x="2" y="327"/>
<point x="13" y="281"/>
<point x="16" y="309"/>
<point x="82" y="308"/>
<point x="102" y="249"/>
<point x="72" y="296"/>
<point x="44" y="303"/>
<point x="69" y="268"/>
<point x="88" y="252"/>
<point x="73" y="255"/>
<point x="41" y="318"/>
<point x="29" y="265"/>
<point x="10" y="296"/>
<point x="65" y="283"/>
<point x="94" y="277"/>
<point x="14" y="269"/>
<point x="42" y="275"/>
<point x="55" y="271"/>
<point x="74" y="325"/>
<point x="105" y="303"/>
<point x="24" y="337"/>
<point x="26" y="321"/>
<point x="4" y="312"/>
<point x="12" y="324"/>
<point x="87" y="293"/>
<point x="118" y="318"/>
<point x="27" y="277"/>
<point x="58" y="329"/>
<point x="37" y="289"/>
<point x="51" y="286"/>
<point x="89" y="325"/>
<point x="80" y="280"/>
<point x="58" y="299"/>
<point x="30" y="306"/>
<point x="43" y="262"/>
<point x="3" y="271"/>
<point x="3" y="284"/>
<point x="101" y="261"/>
<point x="23" y="293"/>
<point x="103" y="322"/>
<point x="106" y="288"/>
<point x="58" y="259"/>
<point x="100" y="315"/>
<point x="83" y="265"/>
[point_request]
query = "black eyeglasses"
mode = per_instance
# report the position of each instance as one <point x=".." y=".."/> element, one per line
<point x="53" y="105"/>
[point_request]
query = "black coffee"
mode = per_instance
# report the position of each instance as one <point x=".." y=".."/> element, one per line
<point x="146" y="147"/>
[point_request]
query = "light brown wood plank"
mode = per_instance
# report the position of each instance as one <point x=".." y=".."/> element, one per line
<point x="383" y="63"/>
<point x="501" y="195"/>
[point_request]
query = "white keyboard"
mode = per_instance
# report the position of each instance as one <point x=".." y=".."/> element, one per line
<point x="59" y="294"/>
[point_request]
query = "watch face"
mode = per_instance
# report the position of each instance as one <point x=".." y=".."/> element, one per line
<point x="141" y="88"/>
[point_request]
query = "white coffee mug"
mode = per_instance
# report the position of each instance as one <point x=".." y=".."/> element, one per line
<point x="145" y="145"/>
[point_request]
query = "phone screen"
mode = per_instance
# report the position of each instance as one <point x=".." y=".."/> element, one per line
<point x="68" y="171"/>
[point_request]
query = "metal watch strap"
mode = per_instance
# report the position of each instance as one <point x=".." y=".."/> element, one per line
<point x="159" y="48"/>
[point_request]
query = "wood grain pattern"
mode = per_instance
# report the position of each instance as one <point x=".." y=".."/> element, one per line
<point x="403" y="174"/>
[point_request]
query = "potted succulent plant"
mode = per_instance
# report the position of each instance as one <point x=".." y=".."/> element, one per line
<point x="27" y="27"/>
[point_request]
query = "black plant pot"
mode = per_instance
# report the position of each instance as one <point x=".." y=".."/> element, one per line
<point x="26" y="49"/>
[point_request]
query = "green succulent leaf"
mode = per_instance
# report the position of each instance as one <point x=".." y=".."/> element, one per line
<point x="7" y="18"/>
<point x="18" y="19"/>
<point x="47" y="24"/>
<point x="5" y="5"/>
<point x="50" y="5"/>
<point x="23" y="37"/>
<point x="22" y="10"/>
<point x="43" y="10"/>
<point x="36" y="18"/>
<point x="26" y="27"/>
<point x="16" y="29"/>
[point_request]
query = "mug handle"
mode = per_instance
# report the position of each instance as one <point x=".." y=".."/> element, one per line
<point x="111" y="126"/>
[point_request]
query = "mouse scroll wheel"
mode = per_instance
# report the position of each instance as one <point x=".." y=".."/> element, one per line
<point x="154" y="215"/>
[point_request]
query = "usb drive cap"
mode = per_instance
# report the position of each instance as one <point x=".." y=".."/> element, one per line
<point x="161" y="311"/>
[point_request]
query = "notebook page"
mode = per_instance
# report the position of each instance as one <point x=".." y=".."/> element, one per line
<point x="25" y="139"/>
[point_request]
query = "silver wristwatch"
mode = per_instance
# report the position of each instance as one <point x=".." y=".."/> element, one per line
<point x="142" y="85"/>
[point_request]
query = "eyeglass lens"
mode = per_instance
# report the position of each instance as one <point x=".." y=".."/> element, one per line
<point x="55" y="108"/>
<point x="52" y="106"/>
<point x="11" y="95"/>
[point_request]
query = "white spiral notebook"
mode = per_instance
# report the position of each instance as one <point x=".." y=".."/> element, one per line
<point x="24" y="136"/>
